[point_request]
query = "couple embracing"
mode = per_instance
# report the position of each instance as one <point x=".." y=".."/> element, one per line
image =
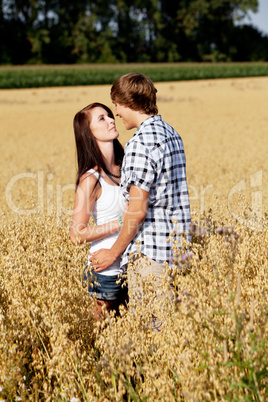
<point x="134" y="194"/>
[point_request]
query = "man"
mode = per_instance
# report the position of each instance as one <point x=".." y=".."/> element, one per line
<point x="153" y="181"/>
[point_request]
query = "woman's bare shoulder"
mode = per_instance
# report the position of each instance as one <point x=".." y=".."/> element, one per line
<point x="88" y="180"/>
<point x="89" y="183"/>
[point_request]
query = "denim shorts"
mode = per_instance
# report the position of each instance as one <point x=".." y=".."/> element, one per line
<point x="105" y="287"/>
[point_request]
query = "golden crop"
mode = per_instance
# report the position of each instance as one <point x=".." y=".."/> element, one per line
<point x="213" y="344"/>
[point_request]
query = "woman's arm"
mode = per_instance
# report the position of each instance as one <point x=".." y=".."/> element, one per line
<point x="86" y="195"/>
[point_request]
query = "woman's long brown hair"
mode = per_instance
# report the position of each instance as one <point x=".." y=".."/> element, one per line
<point x="88" y="152"/>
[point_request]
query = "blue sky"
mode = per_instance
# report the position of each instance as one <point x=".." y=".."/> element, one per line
<point x="259" y="19"/>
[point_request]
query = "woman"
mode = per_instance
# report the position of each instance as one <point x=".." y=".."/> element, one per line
<point x="99" y="157"/>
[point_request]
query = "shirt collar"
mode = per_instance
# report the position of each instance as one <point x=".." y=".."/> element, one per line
<point x="147" y="122"/>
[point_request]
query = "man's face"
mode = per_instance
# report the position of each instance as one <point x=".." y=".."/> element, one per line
<point x="128" y="116"/>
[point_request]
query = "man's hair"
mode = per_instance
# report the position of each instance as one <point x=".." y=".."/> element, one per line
<point x="135" y="91"/>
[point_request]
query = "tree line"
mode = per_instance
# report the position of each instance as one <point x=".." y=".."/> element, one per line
<point x="125" y="31"/>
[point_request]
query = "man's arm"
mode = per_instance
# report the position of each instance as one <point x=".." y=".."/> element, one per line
<point x="136" y="213"/>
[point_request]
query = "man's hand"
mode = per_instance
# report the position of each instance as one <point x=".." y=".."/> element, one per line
<point x="102" y="259"/>
<point x="132" y="221"/>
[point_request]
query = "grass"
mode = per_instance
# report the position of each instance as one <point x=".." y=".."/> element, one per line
<point x="212" y="346"/>
<point x="48" y="76"/>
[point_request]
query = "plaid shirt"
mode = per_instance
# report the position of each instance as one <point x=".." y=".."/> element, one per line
<point x="155" y="161"/>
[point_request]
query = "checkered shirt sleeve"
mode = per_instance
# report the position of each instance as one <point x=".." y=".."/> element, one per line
<point x="155" y="161"/>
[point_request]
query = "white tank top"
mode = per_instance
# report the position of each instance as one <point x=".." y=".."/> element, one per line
<point x="107" y="208"/>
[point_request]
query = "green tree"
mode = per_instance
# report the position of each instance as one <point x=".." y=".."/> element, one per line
<point x="199" y="28"/>
<point x="64" y="31"/>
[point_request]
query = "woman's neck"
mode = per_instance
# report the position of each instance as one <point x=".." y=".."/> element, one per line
<point x="107" y="150"/>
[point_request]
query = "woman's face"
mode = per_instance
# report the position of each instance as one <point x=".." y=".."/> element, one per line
<point x="102" y="126"/>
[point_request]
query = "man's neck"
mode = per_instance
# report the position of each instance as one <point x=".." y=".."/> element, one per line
<point x="141" y="117"/>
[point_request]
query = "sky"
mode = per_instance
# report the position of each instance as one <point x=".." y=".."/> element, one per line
<point x="259" y="19"/>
